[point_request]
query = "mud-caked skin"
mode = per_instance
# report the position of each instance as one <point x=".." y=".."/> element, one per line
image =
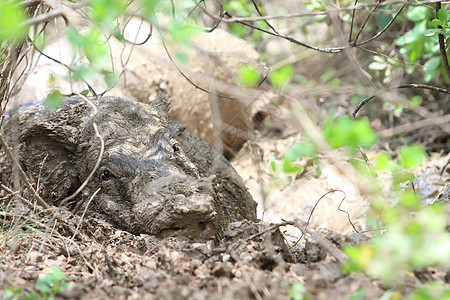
<point x="154" y="176"/>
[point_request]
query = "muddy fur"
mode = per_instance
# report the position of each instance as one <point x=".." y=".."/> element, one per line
<point x="155" y="177"/>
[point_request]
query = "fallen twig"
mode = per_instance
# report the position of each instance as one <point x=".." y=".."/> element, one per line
<point x="324" y="242"/>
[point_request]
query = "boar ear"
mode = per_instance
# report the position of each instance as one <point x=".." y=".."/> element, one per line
<point x="48" y="153"/>
<point x="161" y="105"/>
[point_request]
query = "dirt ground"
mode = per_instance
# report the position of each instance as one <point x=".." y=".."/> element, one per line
<point x="252" y="261"/>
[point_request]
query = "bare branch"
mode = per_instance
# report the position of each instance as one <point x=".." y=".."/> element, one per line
<point x="84" y="212"/>
<point x="402" y="86"/>
<point x="61" y="11"/>
<point x="442" y="45"/>
<point x="365" y="22"/>
<point x="353" y="21"/>
<point x="325" y="12"/>
<point x="432" y="121"/>
<point x="100" y="154"/>
<point x="22" y="173"/>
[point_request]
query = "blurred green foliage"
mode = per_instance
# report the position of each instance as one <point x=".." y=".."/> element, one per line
<point x="49" y="287"/>
<point x="345" y="132"/>
<point x="248" y="76"/>
<point x="12" y="21"/>
<point x="282" y="76"/>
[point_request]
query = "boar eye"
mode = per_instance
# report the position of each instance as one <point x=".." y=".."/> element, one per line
<point x="175" y="147"/>
<point x="105" y="174"/>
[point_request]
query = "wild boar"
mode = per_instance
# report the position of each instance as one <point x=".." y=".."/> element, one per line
<point x="155" y="177"/>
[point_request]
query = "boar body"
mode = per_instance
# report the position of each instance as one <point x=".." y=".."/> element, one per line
<point x="154" y="177"/>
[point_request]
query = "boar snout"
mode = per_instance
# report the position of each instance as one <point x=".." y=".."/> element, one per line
<point x="177" y="203"/>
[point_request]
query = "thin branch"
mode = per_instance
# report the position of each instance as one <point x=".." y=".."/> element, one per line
<point x="100" y="155"/>
<point x="292" y="40"/>
<point x="323" y="242"/>
<point x="22" y="173"/>
<point x="82" y="216"/>
<point x="61" y="11"/>
<point x="222" y="14"/>
<point x="326" y="50"/>
<point x="365" y="22"/>
<point x="259" y="13"/>
<point x="182" y="73"/>
<point x="402" y="86"/>
<point x="325" y="12"/>
<point x="353" y="21"/>
<point x="384" y="29"/>
<point x="91" y="89"/>
<point x="432" y="121"/>
<point x="15" y="194"/>
<point x="389" y="57"/>
<point x="442" y="45"/>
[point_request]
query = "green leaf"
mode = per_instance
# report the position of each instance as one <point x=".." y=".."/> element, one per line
<point x="238" y="29"/>
<point x="297" y="291"/>
<point x="289" y="167"/>
<point x="40" y="41"/>
<point x="84" y="72"/>
<point x="238" y="8"/>
<point x="363" y="135"/>
<point x="107" y="11"/>
<point x="433" y="31"/>
<point x="181" y="33"/>
<point x="338" y="132"/>
<point x="384" y="163"/>
<point x="58" y="274"/>
<point x="181" y="57"/>
<point x="9" y="293"/>
<point x="416" y="100"/>
<point x="299" y="150"/>
<point x="54" y="99"/>
<point x="409" y="199"/>
<point x="412" y="156"/>
<point x="383" y="18"/>
<point x="432" y="65"/>
<point x="346" y="132"/>
<point x="378" y="66"/>
<point x="43" y="285"/>
<point x="417" y="14"/>
<point x="110" y="78"/>
<point x="443" y="16"/>
<point x="273" y="165"/>
<point x="96" y="51"/>
<point x="436" y="22"/>
<point x="248" y="76"/>
<point x="75" y="38"/>
<point x="281" y="76"/>
<point x="360" y="294"/>
<point x="401" y="177"/>
<point x="11" y="20"/>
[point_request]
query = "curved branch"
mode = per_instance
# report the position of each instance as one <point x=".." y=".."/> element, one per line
<point x="182" y="73"/>
<point x="100" y="155"/>
<point x="402" y="86"/>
